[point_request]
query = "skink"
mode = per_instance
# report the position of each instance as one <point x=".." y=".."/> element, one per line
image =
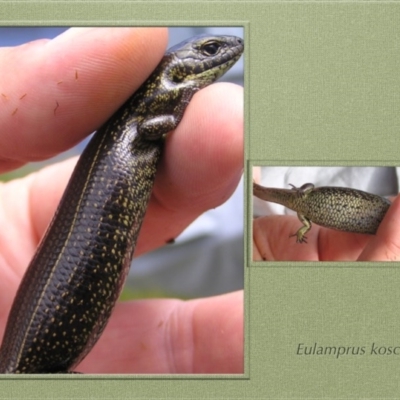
<point x="340" y="208"/>
<point x="73" y="281"/>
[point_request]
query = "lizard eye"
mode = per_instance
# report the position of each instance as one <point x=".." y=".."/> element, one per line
<point x="211" y="48"/>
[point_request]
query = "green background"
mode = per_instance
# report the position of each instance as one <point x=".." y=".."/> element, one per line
<point x="321" y="88"/>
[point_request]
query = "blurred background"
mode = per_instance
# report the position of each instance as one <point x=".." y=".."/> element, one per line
<point x="207" y="258"/>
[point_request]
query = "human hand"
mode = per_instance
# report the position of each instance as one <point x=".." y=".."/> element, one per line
<point x="271" y="240"/>
<point x="57" y="92"/>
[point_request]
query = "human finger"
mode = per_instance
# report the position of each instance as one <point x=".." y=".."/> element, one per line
<point x="56" y="92"/>
<point x="172" y="336"/>
<point x="385" y="246"/>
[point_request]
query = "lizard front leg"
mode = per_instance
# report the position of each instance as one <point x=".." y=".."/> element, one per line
<point x="300" y="234"/>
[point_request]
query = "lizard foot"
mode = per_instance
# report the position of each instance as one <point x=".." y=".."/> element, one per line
<point x="300" y="238"/>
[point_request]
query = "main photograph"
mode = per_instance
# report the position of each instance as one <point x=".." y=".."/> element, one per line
<point x="122" y="200"/>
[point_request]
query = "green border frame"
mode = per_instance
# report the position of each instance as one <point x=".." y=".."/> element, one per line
<point x="345" y="303"/>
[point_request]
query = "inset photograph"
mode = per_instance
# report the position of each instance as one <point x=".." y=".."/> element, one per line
<point x="323" y="213"/>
